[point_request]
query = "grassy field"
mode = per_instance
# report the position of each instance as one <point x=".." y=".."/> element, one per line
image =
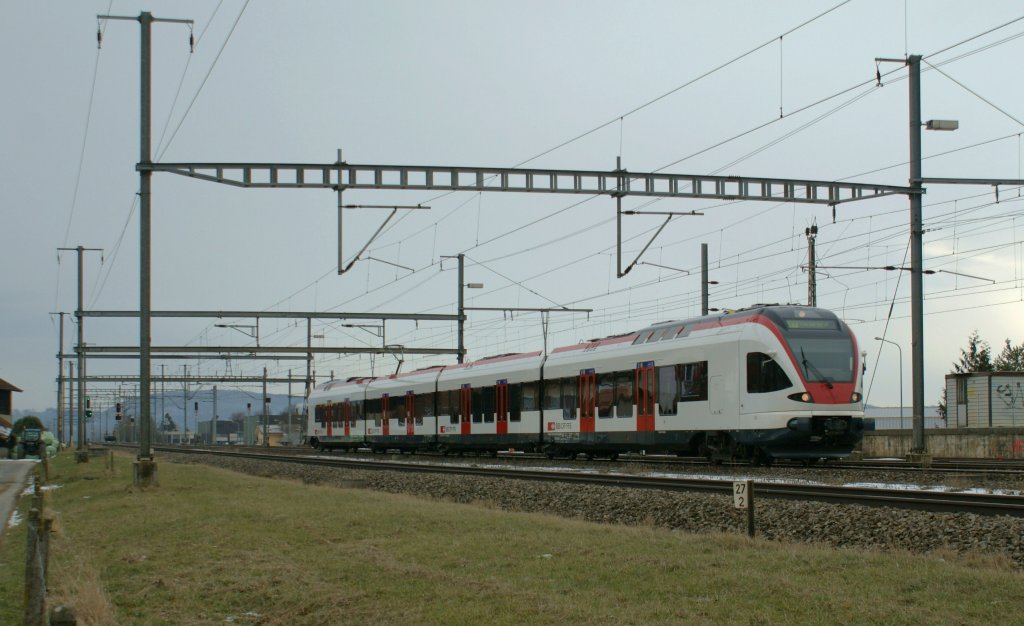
<point x="214" y="547"/>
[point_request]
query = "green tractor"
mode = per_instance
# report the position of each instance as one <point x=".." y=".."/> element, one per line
<point x="30" y="444"/>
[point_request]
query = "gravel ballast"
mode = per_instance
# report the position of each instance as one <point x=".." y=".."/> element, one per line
<point x="782" y="520"/>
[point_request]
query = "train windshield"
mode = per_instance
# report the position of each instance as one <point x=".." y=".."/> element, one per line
<point x="823" y="351"/>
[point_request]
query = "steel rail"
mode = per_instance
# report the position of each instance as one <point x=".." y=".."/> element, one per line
<point x="955" y="502"/>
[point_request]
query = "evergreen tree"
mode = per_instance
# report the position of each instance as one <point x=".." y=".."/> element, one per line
<point x="976" y="358"/>
<point x="29" y="421"/>
<point x="168" y="424"/>
<point x="1011" y="359"/>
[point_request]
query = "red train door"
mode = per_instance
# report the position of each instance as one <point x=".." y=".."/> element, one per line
<point x="410" y="410"/>
<point x="501" y="404"/>
<point x="588" y="400"/>
<point x="385" y="409"/>
<point x="346" y="417"/>
<point x="645" y="396"/>
<point x="466" y="406"/>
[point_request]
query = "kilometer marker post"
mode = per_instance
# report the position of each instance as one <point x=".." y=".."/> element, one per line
<point x="743" y="498"/>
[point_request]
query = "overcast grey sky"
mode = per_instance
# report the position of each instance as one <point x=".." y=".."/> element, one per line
<point x="495" y="84"/>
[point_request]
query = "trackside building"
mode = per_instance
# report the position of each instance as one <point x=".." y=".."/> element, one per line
<point x="985" y="400"/>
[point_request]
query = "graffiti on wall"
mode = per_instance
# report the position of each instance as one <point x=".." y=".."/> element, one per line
<point x="1012" y="395"/>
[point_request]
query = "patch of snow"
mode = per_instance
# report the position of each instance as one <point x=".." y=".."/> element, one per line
<point x="936" y="488"/>
<point x="15" y="520"/>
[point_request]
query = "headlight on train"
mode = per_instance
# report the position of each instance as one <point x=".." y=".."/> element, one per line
<point x="802" y="397"/>
<point x="855" y="398"/>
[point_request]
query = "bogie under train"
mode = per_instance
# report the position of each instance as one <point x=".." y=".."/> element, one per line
<point x="770" y="382"/>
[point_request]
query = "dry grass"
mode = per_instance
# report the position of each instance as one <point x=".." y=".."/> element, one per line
<point x="213" y="547"/>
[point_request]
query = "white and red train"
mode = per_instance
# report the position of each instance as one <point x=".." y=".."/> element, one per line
<point x="769" y="382"/>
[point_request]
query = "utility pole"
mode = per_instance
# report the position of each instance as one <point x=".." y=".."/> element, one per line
<point x="812" y="277"/>
<point x="144" y="473"/>
<point x="309" y="359"/>
<point x="71" y="399"/>
<point x="213" y="420"/>
<point x="145" y="468"/>
<point x="163" y="392"/>
<point x="60" y="382"/>
<point x="341" y="211"/>
<point x="620" y="183"/>
<point x="462" y="309"/>
<point x="918" y="445"/>
<point x="81" y="454"/>
<point x="184" y="400"/>
<point x="289" y="405"/>
<point x="703" y="279"/>
<point x="266" y="418"/>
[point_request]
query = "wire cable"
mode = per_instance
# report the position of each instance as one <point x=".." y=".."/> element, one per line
<point x="203" y="83"/>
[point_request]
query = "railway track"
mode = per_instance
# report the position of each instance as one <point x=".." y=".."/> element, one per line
<point x="1012" y="467"/>
<point x="926" y="500"/>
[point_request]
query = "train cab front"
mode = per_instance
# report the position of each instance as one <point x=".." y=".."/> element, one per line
<point x="826" y="416"/>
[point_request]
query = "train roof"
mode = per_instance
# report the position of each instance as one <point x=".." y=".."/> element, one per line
<point x="589" y="344"/>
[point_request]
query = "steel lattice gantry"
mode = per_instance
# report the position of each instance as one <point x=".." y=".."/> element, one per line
<point x="613" y="183"/>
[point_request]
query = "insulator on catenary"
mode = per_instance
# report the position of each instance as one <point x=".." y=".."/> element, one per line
<point x="99" y="39"/>
<point x="191" y="43"/>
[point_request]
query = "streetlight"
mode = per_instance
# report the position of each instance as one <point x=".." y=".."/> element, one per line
<point x="901" y="374"/>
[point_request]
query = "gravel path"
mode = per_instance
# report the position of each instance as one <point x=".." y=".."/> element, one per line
<point x="809" y="522"/>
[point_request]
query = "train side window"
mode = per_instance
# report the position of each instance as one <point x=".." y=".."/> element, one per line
<point x="642" y="337"/>
<point x="373" y="411"/>
<point x="552" y="395"/>
<point x="764" y="375"/>
<point x="605" y="394"/>
<point x="693" y="381"/>
<point x="488" y="410"/>
<point x="454" y="406"/>
<point x="668" y="390"/>
<point x="422" y="404"/>
<point x="478" y="405"/>
<point x="624" y="394"/>
<point x="443" y="408"/>
<point x="569" y="398"/>
<point x="357" y="410"/>
<point x="515" y="394"/>
<point x="318" y="414"/>
<point x="530" y="397"/>
<point x="662" y="333"/>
